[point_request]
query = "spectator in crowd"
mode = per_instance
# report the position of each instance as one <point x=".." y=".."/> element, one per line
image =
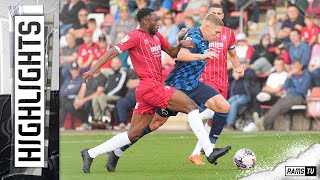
<point x="125" y="24"/>
<point x="189" y="22"/>
<point x="314" y="8"/>
<point x="69" y="15"/>
<point x="140" y="4"/>
<point x="82" y="105"/>
<point x="309" y="32"/>
<point x="113" y="90"/>
<point x="262" y="59"/>
<point x="294" y="93"/>
<point x="80" y="26"/>
<point x="294" y="21"/>
<point x="280" y="51"/>
<point x="169" y="30"/>
<point x="92" y="25"/>
<point x="299" y="50"/>
<point x="126" y="104"/>
<point x="69" y="91"/>
<point x="240" y="92"/>
<point x="132" y="5"/>
<point x="161" y="6"/>
<point x="115" y="5"/>
<point x="86" y="49"/>
<point x="68" y="55"/>
<point x="314" y="64"/>
<point x="197" y="10"/>
<point x="103" y="47"/>
<point x="243" y="49"/>
<point x="273" y="26"/>
<point x="272" y="90"/>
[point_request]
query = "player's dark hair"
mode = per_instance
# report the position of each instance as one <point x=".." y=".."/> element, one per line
<point x="92" y="20"/>
<point x="279" y="58"/>
<point x="297" y="30"/>
<point x="216" y="5"/>
<point x="83" y="9"/>
<point x="143" y="13"/>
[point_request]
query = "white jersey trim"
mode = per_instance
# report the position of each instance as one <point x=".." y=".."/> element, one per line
<point x="118" y="49"/>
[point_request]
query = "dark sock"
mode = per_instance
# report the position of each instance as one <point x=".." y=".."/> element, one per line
<point x="145" y="132"/>
<point x="218" y="121"/>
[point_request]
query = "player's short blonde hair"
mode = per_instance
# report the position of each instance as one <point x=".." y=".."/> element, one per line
<point x="213" y="19"/>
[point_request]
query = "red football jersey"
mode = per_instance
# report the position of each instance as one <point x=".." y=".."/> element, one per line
<point x="85" y="51"/>
<point x="216" y="68"/>
<point x="145" y="53"/>
<point x="307" y="33"/>
<point x="98" y="55"/>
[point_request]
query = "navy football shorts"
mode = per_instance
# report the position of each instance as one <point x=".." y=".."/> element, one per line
<point x="200" y="95"/>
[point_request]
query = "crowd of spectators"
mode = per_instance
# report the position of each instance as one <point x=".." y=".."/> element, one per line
<point x="287" y="54"/>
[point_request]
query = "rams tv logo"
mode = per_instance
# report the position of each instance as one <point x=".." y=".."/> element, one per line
<point x="300" y="170"/>
<point x="29" y="99"/>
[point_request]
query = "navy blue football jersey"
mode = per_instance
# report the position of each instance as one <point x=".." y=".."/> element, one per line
<point x="186" y="75"/>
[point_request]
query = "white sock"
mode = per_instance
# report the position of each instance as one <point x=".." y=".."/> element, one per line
<point x="199" y="130"/>
<point x="207" y="127"/>
<point x="206" y="114"/>
<point x="197" y="149"/>
<point x="112" y="144"/>
<point x="118" y="152"/>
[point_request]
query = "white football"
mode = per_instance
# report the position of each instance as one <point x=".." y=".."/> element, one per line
<point x="244" y="159"/>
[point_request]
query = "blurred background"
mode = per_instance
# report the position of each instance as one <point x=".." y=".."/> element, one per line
<point x="277" y="40"/>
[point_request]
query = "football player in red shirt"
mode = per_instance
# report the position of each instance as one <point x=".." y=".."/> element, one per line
<point x="144" y="46"/>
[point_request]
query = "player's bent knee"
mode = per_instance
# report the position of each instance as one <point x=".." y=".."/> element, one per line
<point x="133" y="137"/>
<point x="225" y="108"/>
<point x="155" y="126"/>
<point x="191" y="106"/>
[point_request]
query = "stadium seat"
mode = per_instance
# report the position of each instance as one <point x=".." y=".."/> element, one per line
<point x="299" y="121"/>
<point x="265" y="5"/>
<point x="295" y="119"/>
<point x="71" y="122"/>
<point x="261" y="79"/>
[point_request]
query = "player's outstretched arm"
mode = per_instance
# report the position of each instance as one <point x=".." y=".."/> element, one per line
<point x="111" y="53"/>
<point x="173" y="51"/>
<point x="185" y="55"/>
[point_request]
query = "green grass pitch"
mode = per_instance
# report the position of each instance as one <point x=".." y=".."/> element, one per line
<point x="165" y="156"/>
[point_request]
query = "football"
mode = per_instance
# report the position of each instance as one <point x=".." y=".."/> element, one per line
<point x="244" y="159"/>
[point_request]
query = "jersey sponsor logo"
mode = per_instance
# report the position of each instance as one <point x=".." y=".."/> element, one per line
<point x="216" y="45"/>
<point x="125" y="39"/>
<point x="155" y="48"/>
